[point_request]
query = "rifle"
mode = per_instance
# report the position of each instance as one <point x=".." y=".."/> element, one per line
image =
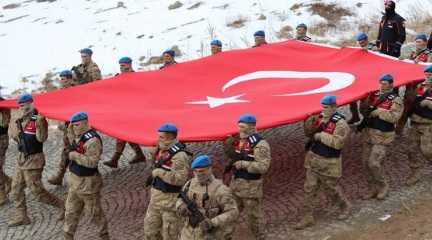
<point x="366" y="116"/>
<point x="230" y="165"/>
<point x="22" y="144"/>
<point x="78" y="74"/>
<point x="196" y="215"/>
<point x="149" y="180"/>
<point x="311" y="141"/>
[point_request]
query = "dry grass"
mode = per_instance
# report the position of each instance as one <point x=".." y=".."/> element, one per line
<point x="285" y="32"/>
<point x="418" y="20"/>
<point x="332" y="12"/>
<point x="238" y="22"/>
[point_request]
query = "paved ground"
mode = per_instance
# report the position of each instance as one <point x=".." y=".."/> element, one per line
<point x="125" y="198"/>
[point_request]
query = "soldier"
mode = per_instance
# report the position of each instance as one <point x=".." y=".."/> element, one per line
<point x="250" y="160"/>
<point x="87" y="71"/>
<point x="381" y="110"/>
<point x="327" y="133"/>
<point x="125" y="66"/>
<point x="215" y="207"/>
<point x="216" y="46"/>
<point x="85" y="181"/>
<point x="421" y="53"/>
<point x="166" y="180"/>
<point x="301" y="31"/>
<point x="391" y="34"/>
<point x="66" y="81"/>
<point x="259" y="38"/>
<point x="168" y="58"/>
<point x="30" y="132"/>
<point x="5" y="181"/>
<point x="420" y="132"/>
<point x="363" y="41"/>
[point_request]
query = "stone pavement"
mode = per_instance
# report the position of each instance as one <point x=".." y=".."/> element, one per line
<point x="125" y="198"/>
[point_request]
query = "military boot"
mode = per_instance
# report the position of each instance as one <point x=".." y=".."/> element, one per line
<point x="67" y="236"/>
<point x="371" y="193"/>
<point x="139" y="156"/>
<point x="414" y="177"/>
<point x="105" y="237"/>
<point x="355" y="117"/>
<point x="113" y="163"/>
<point x="382" y="191"/>
<point x="20" y="219"/>
<point x="308" y="220"/>
<point x="58" y="178"/>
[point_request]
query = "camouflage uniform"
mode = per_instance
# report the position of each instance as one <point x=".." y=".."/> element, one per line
<point x="216" y="202"/>
<point x="424" y="55"/>
<point x="303" y="38"/>
<point x="86" y="73"/>
<point x="85" y="184"/>
<point x="377" y="136"/>
<point x="167" y="64"/>
<point x="5" y="181"/>
<point x="161" y="220"/>
<point x="28" y="170"/>
<point x="323" y="163"/>
<point x="247" y="184"/>
<point x="420" y="133"/>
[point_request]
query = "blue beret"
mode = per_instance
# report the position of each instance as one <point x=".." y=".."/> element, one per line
<point x="24" y="98"/>
<point x="301" y="25"/>
<point x="170" y="52"/>
<point x="66" y="73"/>
<point x="247" y="118"/>
<point x="168" y="128"/>
<point x="386" y="77"/>
<point x="421" y="36"/>
<point x="87" y="51"/>
<point x="216" y="42"/>
<point x="328" y="100"/>
<point x="361" y="36"/>
<point x="125" y="60"/>
<point x="79" y="116"/>
<point x="428" y="69"/>
<point x="259" y="34"/>
<point x="202" y="161"/>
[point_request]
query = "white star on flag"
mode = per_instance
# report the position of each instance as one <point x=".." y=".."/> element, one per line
<point x="215" y="102"/>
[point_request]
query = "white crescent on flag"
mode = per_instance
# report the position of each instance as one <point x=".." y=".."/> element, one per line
<point x="337" y="80"/>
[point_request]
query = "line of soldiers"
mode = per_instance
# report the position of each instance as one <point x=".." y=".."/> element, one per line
<point x="208" y="208"/>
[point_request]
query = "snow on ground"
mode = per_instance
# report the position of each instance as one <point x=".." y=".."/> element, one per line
<point x="39" y="36"/>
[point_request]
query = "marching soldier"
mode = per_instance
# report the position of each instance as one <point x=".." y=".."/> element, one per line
<point x="259" y="37"/>
<point x="207" y="205"/>
<point x="125" y="67"/>
<point x="301" y="31"/>
<point x="216" y="46"/>
<point x="168" y="58"/>
<point x="5" y="181"/>
<point x="30" y="132"/>
<point x="381" y="110"/>
<point x="327" y="133"/>
<point x="420" y="132"/>
<point x="166" y="180"/>
<point x="250" y="160"/>
<point x="66" y="81"/>
<point x="85" y="181"/>
<point x="391" y="34"/>
<point x="87" y="71"/>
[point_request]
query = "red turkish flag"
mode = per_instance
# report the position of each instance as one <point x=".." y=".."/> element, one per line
<point x="280" y="83"/>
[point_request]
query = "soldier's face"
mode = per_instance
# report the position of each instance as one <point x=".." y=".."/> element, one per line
<point x="124" y="67"/>
<point x="165" y="140"/>
<point x="420" y="44"/>
<point x="259" y="40"/>
<point x="65" y="81"/>
<point x="328" y="110"/>
<point x="85" y="58"/>
<point x="363" y="43"/>
<point x="385" y="86"/>
<point x="167" y="58"/>
<point x="26" y="108"/>
<point x="245" y="130"/>
<point x="301" y="31"/>
<point x="202" y="174"/>
<point x="428" y="78"/>
<point x="215" y="49"/>
<point x="80" y="127"/>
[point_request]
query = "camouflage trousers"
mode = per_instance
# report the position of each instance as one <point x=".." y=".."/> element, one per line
<point x="419" y="144"/>
<point x="314" y="183"/>
<point x="76" y="203"/>
<point x="4" y="179"/>
<point x="120" y="146"/>
<point x="31" y="179"/>
<point x="373" y="156"/>
<point x="161" y="224"/>
<point x="254" y="214"/>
